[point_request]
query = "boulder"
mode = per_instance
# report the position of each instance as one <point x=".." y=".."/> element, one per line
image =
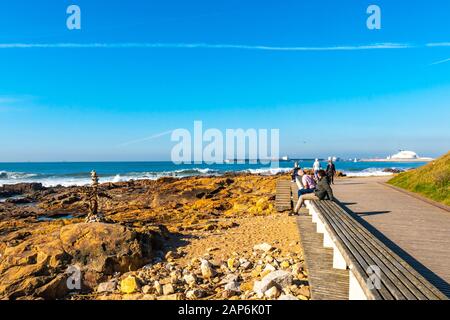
<point x="103" y="249"/>
<point x="20" y="188"/>
<point x="36" y="266"/>
<point x="280" y="278"/>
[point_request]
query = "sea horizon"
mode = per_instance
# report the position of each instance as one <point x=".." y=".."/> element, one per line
<point x="78" y="173"/>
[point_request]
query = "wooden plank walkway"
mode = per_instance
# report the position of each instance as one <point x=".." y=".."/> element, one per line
<point x="415" y="230"/>
<point x="325" y="282"/>
<point x="294" y="190"/>
<point x="283" y="200"/>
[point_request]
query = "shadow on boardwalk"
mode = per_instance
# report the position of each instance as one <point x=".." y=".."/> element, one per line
<point x="437" y="281"/>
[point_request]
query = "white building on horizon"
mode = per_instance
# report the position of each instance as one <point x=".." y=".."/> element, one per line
<point x="404" y="155"/>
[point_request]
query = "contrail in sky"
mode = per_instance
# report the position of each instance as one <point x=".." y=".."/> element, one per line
<point x="145" y="139"/>
<point x="440" y="61"/>
<point x="203" y="46"/>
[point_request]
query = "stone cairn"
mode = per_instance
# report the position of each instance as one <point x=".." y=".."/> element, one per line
<point x="93" y="198"/>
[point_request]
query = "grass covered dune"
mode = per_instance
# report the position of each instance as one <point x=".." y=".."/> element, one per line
<point x="431" y="180"/>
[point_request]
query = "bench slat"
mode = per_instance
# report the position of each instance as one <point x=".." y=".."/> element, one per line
<point x="389" y="273"/>
<point x="354" y="260"/>
<point x="362" y="258"/>
<point x="415" y="282"/>
<point x="362" y="249"/>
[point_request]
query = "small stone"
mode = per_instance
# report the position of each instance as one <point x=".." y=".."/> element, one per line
<point x="268" y="269"/>
<point x="297" y="269"/>
<point x="233" y="286"/>
<point x="256" y="272"/>
<point x="230" y="278"/>
<point x="246" y="286"/>
<point x="232" y="264"/>
<point x="215" y="262"/>
<point x="304" y="291"/>
<point x="129" y="285"/>
<point x="168" y="289"/>
<point x="171" y="255"/>
<point x="227" y="294"/>
<point x="108" y="286"/>
<point x="195" y="294"/>
<point x="190" y="279"/>
<point x="246" y="265"/>
<point x="175" y="276"/>
<point x="285" y="264"/>
<point x="262" y="247"/>
<point x="158" y="287"/>
<point x="146" y="289"/>
<point x="149" y="297"/>
<point x="272" y="293"/>
<point x="207" y="271"/>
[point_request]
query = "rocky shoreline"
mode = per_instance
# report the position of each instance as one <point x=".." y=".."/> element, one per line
<point x="161" y="239"/>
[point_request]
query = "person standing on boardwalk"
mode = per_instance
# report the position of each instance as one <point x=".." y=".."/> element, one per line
<point x="316" y="168"/>
<point x="323" y="191"/>
<point x="331" y="171"/>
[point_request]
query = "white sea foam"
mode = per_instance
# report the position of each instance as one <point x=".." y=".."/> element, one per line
<point x="267" y="171"/>
<point x="369" y="172"/>
<point x="67" y="180"/>
<point x="76" y="180"/>
<point x="4" y="175"/>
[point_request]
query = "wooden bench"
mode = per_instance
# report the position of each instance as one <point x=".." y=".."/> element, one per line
<point x="376" y="272"/>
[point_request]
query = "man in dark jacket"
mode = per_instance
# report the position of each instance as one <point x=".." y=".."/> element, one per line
<point x="323" y="192"/>
<point x="331" y="171"/>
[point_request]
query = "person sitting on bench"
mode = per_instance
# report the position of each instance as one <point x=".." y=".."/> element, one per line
<point x="294" y="174"/>
<point x="322" y="192"/>
<point x="309" y="185"/>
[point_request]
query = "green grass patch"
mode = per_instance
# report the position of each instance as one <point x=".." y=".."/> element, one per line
<point x="431" y="180"/>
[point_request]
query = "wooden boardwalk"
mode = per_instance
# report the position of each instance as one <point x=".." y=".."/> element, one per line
<point x="283" y="200"/>
<point x="325" y="282"/>
<point x="416" y="230"/>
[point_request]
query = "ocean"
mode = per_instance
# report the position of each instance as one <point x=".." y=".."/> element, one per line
<point x="78" y="173"/>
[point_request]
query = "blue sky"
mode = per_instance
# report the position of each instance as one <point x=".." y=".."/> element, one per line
<point x="84" y="103"/>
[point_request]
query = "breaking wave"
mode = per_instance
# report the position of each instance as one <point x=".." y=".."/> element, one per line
<point x="369" y="172"/>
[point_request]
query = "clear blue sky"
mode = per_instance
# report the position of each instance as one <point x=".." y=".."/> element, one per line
<point x="83" y="103"/>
